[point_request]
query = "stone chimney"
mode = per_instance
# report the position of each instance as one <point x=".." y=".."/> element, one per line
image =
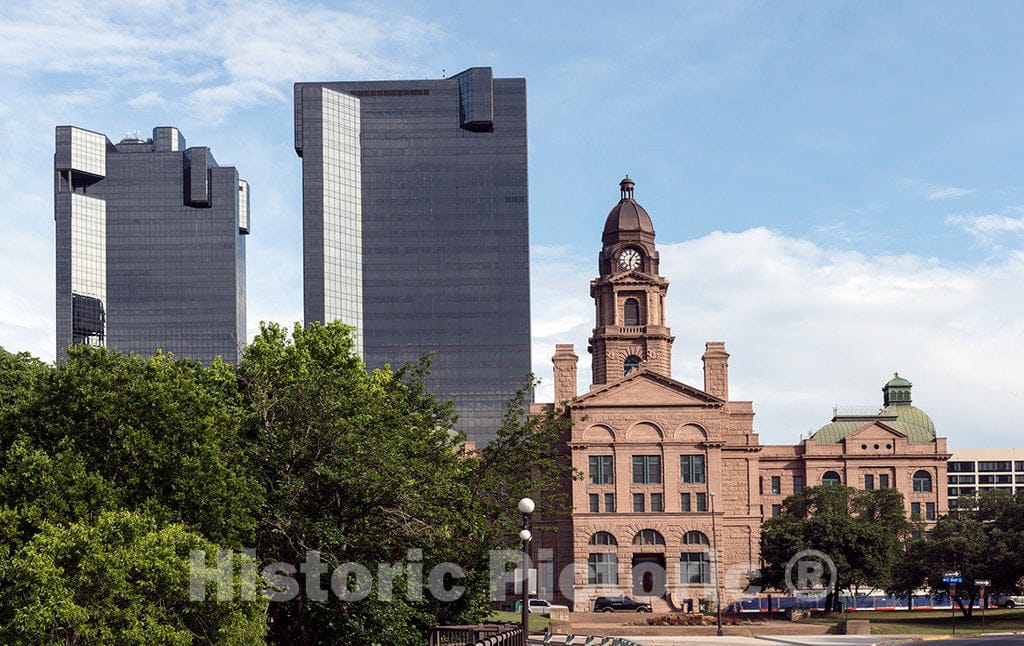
<point x="716" y="369"/>
<point x="565" y="372"/>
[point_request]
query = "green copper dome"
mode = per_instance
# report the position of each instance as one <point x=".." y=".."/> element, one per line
<point x="898" y="381"/>
<point x="915" y="422"/>
<point x="897" y="413"/>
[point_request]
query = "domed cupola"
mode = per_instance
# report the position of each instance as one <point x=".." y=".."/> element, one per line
<point x="911" y="420"/>
<point x="629" y="330"/>
<point x="627" y="219"/>
<point x="897" y="391"/>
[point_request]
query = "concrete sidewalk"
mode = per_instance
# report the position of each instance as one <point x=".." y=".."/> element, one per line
<point x="767" y="640"/>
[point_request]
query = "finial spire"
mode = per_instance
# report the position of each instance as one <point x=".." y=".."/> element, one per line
<point x="626" y="186"/>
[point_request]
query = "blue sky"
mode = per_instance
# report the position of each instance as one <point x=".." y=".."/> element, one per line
<point x="836" y="186"/>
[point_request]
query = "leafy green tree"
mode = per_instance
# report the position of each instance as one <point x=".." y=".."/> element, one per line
<point x="100" y="459"/>
<point x="114" y="467"/>
<point x="523" y="460"/>
<point x="910" y="571"/>
<point x="20" y="375"/>
<point x="122" y="579"/>
<point x="363" y="467"/>
<point x="958" y="543"/>
<point x="860" y="531"/>
<point x="1002" y="516"/>
<point x="162" y="433"/>
<point x="982" y="539"/>
<point x="53" y="486"/>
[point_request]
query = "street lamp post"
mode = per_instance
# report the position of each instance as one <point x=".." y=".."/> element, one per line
<point x="714" y="547"/>
<point x="526" y="507"/>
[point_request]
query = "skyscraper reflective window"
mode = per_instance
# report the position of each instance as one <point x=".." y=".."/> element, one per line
<point x="415" y="228"/>
<point x="150" y="245"/>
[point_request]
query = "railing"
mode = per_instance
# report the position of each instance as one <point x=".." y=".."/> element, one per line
<point x="482" y="635"/>
<point x="513" y="637"/>
<point x="632" y="329"/>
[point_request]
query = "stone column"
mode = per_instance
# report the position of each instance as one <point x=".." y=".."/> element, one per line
<point x="623" y="477"/>
<point x="754" y="500"/>
<point x="716" y="369"/>
<point x="564" y="361"/>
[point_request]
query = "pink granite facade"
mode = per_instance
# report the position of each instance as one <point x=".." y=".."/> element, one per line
<point x="670" y="470"/>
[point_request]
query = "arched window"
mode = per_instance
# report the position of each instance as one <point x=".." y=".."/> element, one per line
<point x="632" y="363"/>
<point x="695" y="538"/>
<point x="922" y="481"/>
<point x="831" y="478"/>
<point x="648" y="537"/>
<point x="603" y="538"/>
<point x="632" y="312"/>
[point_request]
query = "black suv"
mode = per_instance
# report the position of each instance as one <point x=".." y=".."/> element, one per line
<point x="620" y="604"/>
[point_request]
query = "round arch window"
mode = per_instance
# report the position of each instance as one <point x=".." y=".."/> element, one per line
<point x="631" y="363"/>
<point x="648" y="537"/>
<point x="631" y="312"/>
<point x="922" y="481"/>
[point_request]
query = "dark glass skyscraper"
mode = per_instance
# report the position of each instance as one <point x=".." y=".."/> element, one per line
<point x="416" y="231"/>
<point x="150" y="246"/>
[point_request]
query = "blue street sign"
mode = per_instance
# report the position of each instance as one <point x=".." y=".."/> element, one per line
<point x="952" y="580"/>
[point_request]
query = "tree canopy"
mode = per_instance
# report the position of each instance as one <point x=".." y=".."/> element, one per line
<point x="872" y="544"/>
<point x="983" y="539"/>
<point x="113" y="468"/>
<point x="860" y="531"/>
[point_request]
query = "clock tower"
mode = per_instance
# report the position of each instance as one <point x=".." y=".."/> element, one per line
<point x="629" y="331"/>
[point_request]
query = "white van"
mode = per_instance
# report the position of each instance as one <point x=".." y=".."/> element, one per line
<point x="542" y="606"/>
<point x="1007" y="600"/>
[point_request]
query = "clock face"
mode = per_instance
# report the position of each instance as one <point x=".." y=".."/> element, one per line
<point x="629" y="259"/>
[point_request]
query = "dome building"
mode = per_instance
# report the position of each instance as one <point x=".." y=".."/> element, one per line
<point x="893" y="447"/>
<point x="675" y="477"/>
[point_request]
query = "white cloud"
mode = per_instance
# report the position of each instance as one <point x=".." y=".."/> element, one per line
<point x="148" y="99"/>
<point x="216" y="56"/>
<point x="27" y="294"/>
<point x="99" y="63"/>
<point x="990" y="228"/>
<point x="216" y="102"/>
<point x="936" y="192"/>
<point x="809" y="327"/>
<point x="561" y="309"/>
<point x="947" y="192"/>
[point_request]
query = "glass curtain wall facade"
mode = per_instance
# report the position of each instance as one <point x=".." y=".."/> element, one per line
<point x="150" y="246"/>
<point x="332" y="209"/>
<point x="415" y="228"/>
<point x="80" y="157"/>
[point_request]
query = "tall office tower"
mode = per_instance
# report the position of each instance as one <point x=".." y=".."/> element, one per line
<point x="150" y="246"/>
<point x="415" y="228"/>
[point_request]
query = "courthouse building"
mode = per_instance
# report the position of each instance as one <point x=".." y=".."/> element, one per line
<point x="671" y="469"/>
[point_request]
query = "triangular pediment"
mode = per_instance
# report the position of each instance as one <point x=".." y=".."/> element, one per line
<point x="874" y="430"/>
<point x="646" y="388"/>
<point x="634" y="277"/>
